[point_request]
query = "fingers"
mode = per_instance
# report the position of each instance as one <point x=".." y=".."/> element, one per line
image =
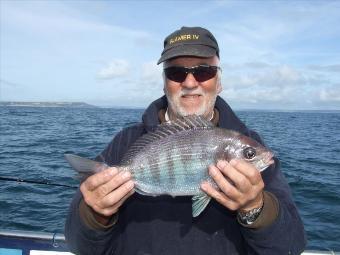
<point x="224" y="184"/>
<point x="108" y="211"/>
<point x="100" y="178"/>
<point x="240" y="181"/>
<point x="114" y="183"/>
<point x="247" y="169"/>
<point x="106" y="191"/>
<point x="220" y="197"/>
<point x="117" y="195"/>
<point x="239" y="185"/>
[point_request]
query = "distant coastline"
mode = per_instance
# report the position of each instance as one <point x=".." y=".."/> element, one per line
<point x="47" y="104"/>
<point x="86" y="105"/>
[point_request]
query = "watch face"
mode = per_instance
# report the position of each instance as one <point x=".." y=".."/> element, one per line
<point x="249" y="217"/>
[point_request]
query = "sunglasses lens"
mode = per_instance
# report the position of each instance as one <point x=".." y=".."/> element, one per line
<point x="201" y="73"/>
<point x="174" y="73"/>
<point x="204" y="73"/>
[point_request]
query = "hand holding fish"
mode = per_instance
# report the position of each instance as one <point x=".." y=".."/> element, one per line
<point x="106" y="191"/>
<point x="240" y="183"/>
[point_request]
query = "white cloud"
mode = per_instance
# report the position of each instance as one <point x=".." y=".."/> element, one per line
<point x="326" y="68"/>
<point x="256" y="65"/>
<point x="151" y="72"/>
<point x="138" y="90"/>
<point x="279" y="86"/>
<point x="283" y="33"/>
<point x="116" y="68"/>
<point x="330" y="94"/>
<point x="10" y="84"/>
<point x="275" y="76"/>
<point x="149" y="84"/>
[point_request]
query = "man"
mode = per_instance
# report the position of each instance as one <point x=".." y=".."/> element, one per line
<point x="250" y="213"/>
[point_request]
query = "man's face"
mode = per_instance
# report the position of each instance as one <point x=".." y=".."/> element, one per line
<point x="190" y="96"/>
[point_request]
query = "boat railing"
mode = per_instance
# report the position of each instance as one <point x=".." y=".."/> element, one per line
<point x="57" y="240"/>
<point x="33" y="235"/>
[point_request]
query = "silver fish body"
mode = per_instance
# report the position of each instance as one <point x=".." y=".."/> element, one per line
<point x="178" y="163"/>
<point x="174" y="159"/>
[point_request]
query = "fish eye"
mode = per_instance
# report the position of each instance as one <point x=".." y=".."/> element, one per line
<point x="249" y="153"/>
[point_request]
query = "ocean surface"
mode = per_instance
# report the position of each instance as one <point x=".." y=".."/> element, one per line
<point x="33" y="141"/>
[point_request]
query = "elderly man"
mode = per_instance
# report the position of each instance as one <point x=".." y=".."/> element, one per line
<point x="250" y="213"/>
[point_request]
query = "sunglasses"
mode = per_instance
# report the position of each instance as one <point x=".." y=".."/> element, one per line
<point x="201" y="73"/>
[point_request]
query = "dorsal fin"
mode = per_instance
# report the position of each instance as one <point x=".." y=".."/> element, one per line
<point x="191" y="122"/>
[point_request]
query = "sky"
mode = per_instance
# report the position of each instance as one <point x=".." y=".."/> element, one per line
<point x="274" y="54"/>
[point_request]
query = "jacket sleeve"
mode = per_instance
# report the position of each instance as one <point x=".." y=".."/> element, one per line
<point x="286" y="234"/>
<point x="82" y="239"/>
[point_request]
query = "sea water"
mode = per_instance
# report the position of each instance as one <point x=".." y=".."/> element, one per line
<point x="33" y="141"/>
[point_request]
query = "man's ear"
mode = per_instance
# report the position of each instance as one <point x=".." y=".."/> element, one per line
<point x="164" y="83"/>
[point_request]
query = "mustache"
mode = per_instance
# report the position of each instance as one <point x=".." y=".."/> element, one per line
<point x="186" y="92"/>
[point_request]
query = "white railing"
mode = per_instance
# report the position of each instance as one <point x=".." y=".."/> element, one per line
<point x="57" y="237"/>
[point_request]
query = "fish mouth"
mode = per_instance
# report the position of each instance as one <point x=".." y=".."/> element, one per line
<point x="267" y="160"/>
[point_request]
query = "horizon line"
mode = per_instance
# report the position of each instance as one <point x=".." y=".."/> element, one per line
<point x="141" y="107"/>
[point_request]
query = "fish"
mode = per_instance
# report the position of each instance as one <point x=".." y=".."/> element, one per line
<point x="174" y="158"/>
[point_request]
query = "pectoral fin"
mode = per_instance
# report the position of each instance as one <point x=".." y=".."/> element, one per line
<point x="199" y="203"/>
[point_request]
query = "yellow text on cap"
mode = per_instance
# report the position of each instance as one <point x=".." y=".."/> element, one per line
<point x="184" y="38"/>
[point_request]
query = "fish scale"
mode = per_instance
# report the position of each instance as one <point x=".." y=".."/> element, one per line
<point x="174" y="159"/>
<point x="182" y="162"/>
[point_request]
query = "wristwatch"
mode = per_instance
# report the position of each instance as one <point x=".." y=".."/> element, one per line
<point x="249" y="217"/>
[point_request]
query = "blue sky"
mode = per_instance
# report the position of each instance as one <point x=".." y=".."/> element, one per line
<point x="274" y="54"/>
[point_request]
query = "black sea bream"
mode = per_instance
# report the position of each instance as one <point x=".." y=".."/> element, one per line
<point x="174" y="159"/>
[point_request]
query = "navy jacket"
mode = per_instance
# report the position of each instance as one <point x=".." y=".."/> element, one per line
<point x="164" y="225"/>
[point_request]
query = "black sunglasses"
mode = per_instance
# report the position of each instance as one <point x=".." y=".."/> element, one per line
<point x="201" y="73"/>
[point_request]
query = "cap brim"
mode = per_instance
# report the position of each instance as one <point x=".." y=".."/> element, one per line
<point x="202" y="51"/>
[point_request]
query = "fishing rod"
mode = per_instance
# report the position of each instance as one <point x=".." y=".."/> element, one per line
<point x="10" y="179"/>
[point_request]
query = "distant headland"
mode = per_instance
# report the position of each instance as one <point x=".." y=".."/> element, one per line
<point x="47" y="104"/>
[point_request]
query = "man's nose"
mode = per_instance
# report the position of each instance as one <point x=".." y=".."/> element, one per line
<point x="190" y="81"/>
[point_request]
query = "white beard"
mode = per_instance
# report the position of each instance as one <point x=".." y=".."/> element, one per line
<point x="204" y="110"/>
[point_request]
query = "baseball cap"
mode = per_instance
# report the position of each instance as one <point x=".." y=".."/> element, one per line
<point x="189" y="41"/>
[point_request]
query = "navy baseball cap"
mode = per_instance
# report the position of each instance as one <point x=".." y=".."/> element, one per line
<point x="189" y="41"/>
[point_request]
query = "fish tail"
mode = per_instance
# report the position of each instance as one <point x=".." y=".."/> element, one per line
<point x="84" y="167"/>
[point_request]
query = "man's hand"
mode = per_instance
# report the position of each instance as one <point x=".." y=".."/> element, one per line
<point x="106" y="191"/>
<point x="240" y="185"/>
